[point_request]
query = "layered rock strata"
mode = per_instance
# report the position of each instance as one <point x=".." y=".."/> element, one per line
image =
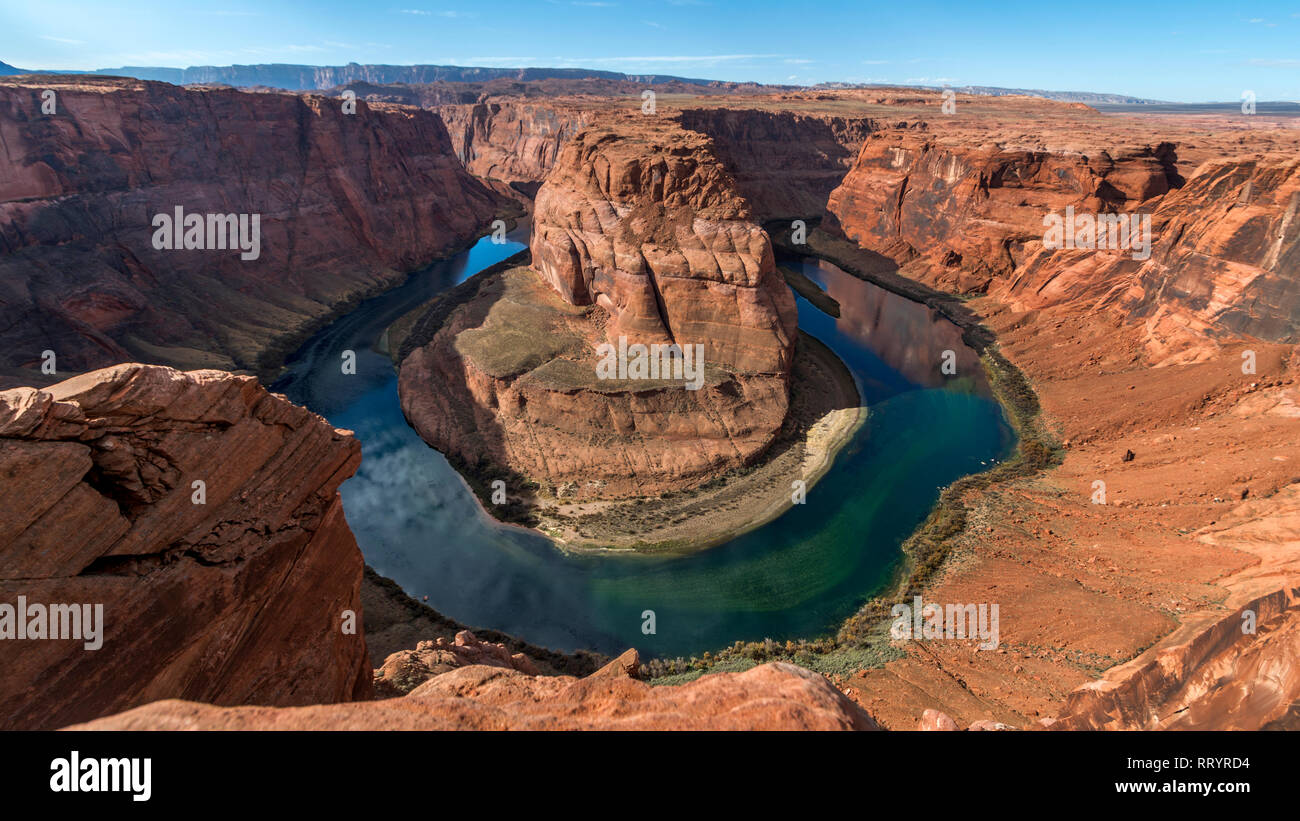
<point x="785" y="163"/>
<point x="638" y="236"/>
<point x="346" y="204"/>
<point x="200" y="515"/>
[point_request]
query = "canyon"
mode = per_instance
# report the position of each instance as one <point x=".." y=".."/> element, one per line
<point x="348" y="204"/>
<point x="1124" y="613"/>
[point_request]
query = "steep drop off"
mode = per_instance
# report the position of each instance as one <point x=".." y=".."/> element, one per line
<point x="234" y="591"/>
<point x="348" y="204"/>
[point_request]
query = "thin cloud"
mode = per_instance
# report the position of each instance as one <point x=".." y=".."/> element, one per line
<point x="63" y="40"/>
<point x="674" y="58"/>
<point x="450" y="15"/>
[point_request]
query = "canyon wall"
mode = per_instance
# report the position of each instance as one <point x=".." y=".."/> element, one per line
<point x="976" y="211"/>
<point x="784" y="163"/>
<point x="235" y="591"/>
<point x="348" y="204"/>
<point x="514" y="141"/>
<point x="969" y="218"/>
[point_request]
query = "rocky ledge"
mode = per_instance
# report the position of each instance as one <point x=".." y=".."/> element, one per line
<point x="771" y="697"/>
<point x="202" y="513"/>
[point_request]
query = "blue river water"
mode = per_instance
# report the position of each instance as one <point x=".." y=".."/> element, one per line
<point x="795" y="577"/>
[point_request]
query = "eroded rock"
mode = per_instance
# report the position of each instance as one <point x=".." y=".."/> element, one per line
<point x="242" y="598"/>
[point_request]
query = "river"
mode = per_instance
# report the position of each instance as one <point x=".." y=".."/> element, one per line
<point x="796" y="577"/>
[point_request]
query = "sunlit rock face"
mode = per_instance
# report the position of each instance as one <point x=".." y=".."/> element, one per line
<point x="203" y="514"/>
<point x="639" y="237"/>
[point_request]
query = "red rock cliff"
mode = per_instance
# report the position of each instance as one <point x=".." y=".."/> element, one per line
<point x="785" y="163"/>
<point x="238" y="600"/>
<point x="512" y="141"/>
<point x="347" y="204"/>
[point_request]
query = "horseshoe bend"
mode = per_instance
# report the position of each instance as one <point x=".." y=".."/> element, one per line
<point x="572" y="399"/>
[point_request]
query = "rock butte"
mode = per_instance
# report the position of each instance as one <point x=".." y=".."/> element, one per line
<point x="1125" y="355"/>
<point x="638" y="225"/>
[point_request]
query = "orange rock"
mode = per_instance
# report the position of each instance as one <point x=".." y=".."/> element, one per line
<point x="405" y="670"/>
<point x="932" y="720"/>
<point x="243" y="598"/>
<point x="774" y="696"/>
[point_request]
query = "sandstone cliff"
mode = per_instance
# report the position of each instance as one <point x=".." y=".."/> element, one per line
<point x="237" y="596"/>
<point x="638" y="233"/>
<point x="785" y="163"/>
<point x="348" y="204"/>
<point x="513" y="141"/>
<point x="976" y="211"/>
<point x="969" y="218"/>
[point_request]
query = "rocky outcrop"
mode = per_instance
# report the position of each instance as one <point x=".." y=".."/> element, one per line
<point x="1228" y="251"/>
<point x="785" y="163"/>
<point x="638" y="234"/>
<point x="641" y="219"/>
<point x="405" y="670"/>
<point x="976" y="211"/>
<point x="347" y="204"/>
<point x="202" y="514"/>
<point x="771" y="697"/>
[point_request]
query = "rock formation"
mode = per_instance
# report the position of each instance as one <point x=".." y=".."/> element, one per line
<point x="969" y="218"/>
<point x="771" y="697"/>
<point x="645" y="222"/>
<point x="233" y="591"/>
<point x="785" y="163"/>
<point x="405" y="670"/>
<point x="347" y="203"/>
<point x="638" y="234"/>
<point x="513" y="141"/>
<point x="976" y="211"/>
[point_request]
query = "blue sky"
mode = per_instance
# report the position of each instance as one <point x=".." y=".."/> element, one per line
<point x="1188" y="51"/>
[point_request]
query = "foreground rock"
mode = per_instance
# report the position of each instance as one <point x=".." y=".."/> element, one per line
<point x="347" y="205"/>
<point x="771" y="697"/>
<point x="638" y="235"/>
<point x="405" y="670"/>
<point x="241" y="598"/>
